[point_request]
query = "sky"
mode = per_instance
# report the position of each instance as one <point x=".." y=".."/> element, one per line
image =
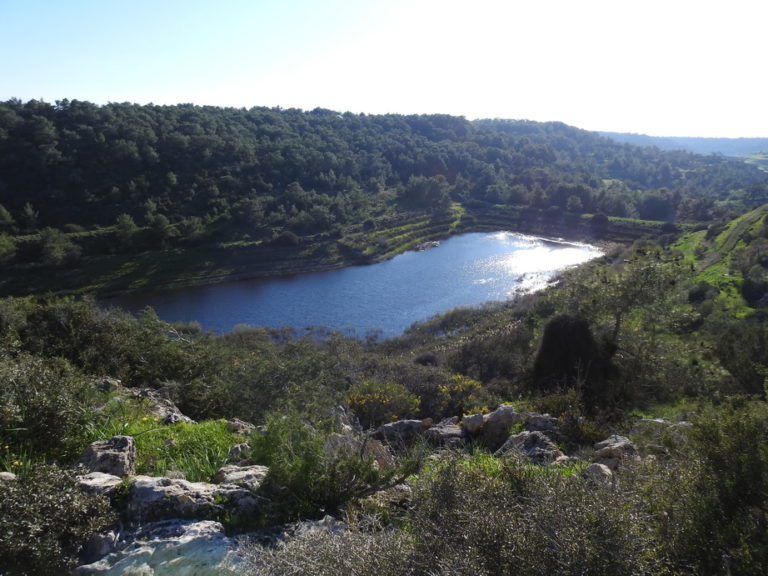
<point x="657" y="67"/>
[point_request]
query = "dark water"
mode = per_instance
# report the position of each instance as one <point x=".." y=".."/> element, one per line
<point x="464" y="270"/>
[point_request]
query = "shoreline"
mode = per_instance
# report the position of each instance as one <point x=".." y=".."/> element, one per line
<point x="112" y="276"/>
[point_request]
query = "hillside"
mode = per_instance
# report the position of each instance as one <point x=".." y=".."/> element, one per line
<point x="614" y="423"/>
<point x="723" y="146"/>
<point x="86" y="190"/>
<point x="662" y="343"/>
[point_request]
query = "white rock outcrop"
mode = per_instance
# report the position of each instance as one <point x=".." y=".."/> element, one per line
<point x="171" y="548"/>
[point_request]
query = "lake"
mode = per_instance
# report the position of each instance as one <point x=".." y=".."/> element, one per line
<point x="388" y="297"/>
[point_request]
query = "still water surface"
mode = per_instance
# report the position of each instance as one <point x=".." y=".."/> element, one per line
<point x="464" y="270"/>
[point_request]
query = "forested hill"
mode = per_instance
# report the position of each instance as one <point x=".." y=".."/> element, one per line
<point x="724" y="146"/>
<point x="253" y="173"/>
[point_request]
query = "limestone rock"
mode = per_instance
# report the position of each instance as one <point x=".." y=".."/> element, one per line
<point x="99" y="483"/>
<point x="116" y="456"/>
<point x="535" y="445"/>
<point x="160" y="404"/>
<point x="545" y="423"/>
<point x="497" y="424"/>
<point x="249" y="477"/>
<point x="238" y="452"/>
<point x="598" y="473"/>
<point x="613" y="450"/>
<point x="402" y="431"/>
<point x="473" y="423"/>
<point x="446" y="433"/>
<point x="171" y="548"/>
<point x="237" y="426"/>
<point x="157" y="498"/>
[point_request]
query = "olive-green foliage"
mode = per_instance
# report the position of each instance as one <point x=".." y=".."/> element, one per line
<point x="741" y="346"/>
<point x="726" y="511"/>
<point x="358" y="551"/>
<point x="108" y="342"/>
<point x="56" y="249"/>
<point x="250" y="371"/>
<point x="311" y="469"/>
<point x="7" y="247"/>
<point x="517" y="519"/>
<point x="44" y="406"/>
<point x="376" y="403"/>
<point x="44" y="520"/>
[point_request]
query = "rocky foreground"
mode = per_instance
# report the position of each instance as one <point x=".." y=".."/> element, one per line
<point x="172" y="526"/>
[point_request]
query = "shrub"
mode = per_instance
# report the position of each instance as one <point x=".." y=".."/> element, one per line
<point x="44" y="406"/>
<point x="462" y="395"/>
<point x="44" y="520"/>
<point x="534" y="521"/>
<point x="312" y="472"/>
<point x="327" y="552"/>
<point x="723" y="525"/>
<point x="375" y="403"/>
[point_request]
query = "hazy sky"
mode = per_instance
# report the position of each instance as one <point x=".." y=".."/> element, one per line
<point x="659" y="67"/>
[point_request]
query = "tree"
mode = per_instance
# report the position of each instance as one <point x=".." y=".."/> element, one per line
<point x="29" y="217"/>
<point x="573" y="204"/>
<point x="161" y="230"/>
<point x="56" y="249"/>
<point x="6" y="220"/>
<point x="7" y="247"/>
<point x="125" y="229"/>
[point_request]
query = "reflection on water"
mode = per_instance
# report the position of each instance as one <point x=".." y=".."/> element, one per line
<point x="464" y="270"/>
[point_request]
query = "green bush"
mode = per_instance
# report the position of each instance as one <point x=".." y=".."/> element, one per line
<point x="44" y="521"/>
<point x="313" y="471"/>
<point x="515" y="519"/>
<point x="44" y="406"/>
<point x="723" y="522"/>
<point x="321" y="552"/>
<point x="376" y="403"/>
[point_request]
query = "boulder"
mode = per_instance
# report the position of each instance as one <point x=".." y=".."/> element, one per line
<point x="613" y="450"/>
<point x="401" y="432"/>
<point x="249" y="477"/>
<point x="237" y="426"/>
<point x="497" y="424"/>
<point x="160" y="403"/>
<point x="549" y="425"/>
<point x="99" y="483"/>
<point x="238" y="452"/>
<point x="446" y="433"/>
<point x="473" y="424"/>
<point x="7" y="477"/>
<point x="116" y="456"/>
<point x="170" y="548"/>
<point x="598" y="473"/>
<point x="158" y="498"/>
<point x="534" y="445"/>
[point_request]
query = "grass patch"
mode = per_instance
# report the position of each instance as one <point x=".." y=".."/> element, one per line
<point x="193" y="451"/>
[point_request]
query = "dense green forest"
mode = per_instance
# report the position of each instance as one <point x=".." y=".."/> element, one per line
<point x="664" y="340"/>
<point x="82" y="184"/>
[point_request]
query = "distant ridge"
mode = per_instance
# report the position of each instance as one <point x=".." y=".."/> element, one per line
<point x="724" y="146"/>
